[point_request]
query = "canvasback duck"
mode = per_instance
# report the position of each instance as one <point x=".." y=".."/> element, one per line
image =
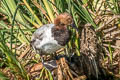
<point x="49" y="38"/>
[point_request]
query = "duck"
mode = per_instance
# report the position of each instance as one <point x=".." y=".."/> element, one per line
<point x="49" y="38"/>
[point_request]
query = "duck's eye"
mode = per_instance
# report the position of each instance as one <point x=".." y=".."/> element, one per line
<point x="69" y="19"/>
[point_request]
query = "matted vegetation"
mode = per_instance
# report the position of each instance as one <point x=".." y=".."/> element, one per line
<point x="20" y="18"/>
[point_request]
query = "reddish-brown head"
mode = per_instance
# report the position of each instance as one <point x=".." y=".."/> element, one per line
<point x="63" y="19"/>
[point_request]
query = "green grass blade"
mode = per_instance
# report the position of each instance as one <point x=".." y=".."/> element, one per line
<point x="49" y="10"/>
<point x="37" y="19"/>
<point x="85" y="14"/>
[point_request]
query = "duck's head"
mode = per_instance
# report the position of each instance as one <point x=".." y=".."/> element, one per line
<point x="64" y="20"/>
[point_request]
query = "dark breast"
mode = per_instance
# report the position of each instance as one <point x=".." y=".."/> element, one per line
<point x="62" y="36"/>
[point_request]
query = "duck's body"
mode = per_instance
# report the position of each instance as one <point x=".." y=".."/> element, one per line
<point x="48" y="40"/>
<point x="51" y="37"/>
